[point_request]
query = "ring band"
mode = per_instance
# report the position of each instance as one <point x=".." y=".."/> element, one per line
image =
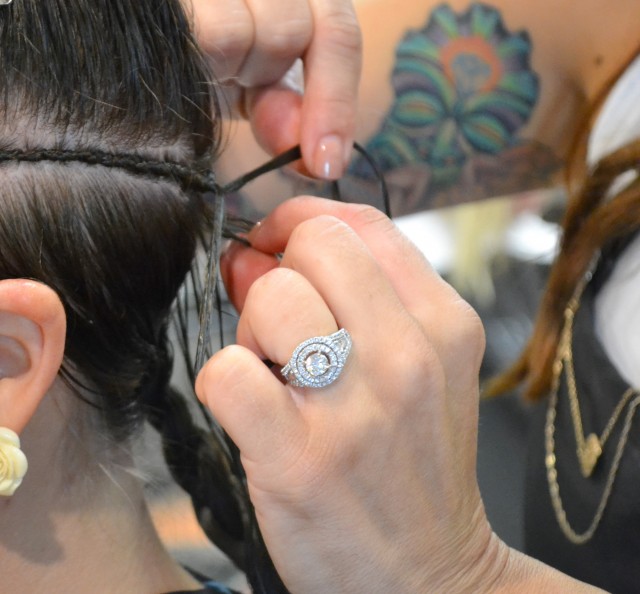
<point x="318" y="362"/>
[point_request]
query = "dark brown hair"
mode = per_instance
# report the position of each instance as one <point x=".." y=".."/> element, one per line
<point x="109" y="103"/>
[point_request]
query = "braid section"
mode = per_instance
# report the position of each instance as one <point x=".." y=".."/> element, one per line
<point x="197" y="462"/>
<point x="186" y="177"/>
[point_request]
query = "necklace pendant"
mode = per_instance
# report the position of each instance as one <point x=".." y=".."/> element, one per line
<point x="589" y="454"/>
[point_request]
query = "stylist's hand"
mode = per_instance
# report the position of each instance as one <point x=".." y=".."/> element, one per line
<point x="254" y="43"/>
<point x="367" y="485"/>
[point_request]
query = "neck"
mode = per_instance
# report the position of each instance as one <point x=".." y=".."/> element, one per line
<point x="602" y="53"/>
<point x="80" y="529"/>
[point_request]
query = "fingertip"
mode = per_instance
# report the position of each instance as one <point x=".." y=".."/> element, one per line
<point x="333" y="65"/>
<point x="249" y="402"/>
<point x="327" y="136"/>
<point x="330" y="158"/>
<point x="240" y="266"/>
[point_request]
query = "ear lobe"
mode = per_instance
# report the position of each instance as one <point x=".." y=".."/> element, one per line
<point x="32" y="338"/>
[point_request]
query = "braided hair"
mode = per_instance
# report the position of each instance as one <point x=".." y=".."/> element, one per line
<point x="105" y="149"/>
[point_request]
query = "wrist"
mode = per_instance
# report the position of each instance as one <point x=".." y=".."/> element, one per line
<point x="487" y="563"/>
<point x="519" y="573"/>
<point x="475" y="561"/>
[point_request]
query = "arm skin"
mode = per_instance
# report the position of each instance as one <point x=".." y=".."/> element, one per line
<point x="525" y="575"/>
<point x="519" y="87"/>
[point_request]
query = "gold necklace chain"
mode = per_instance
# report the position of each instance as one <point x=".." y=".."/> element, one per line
<point x="590" y="448"/>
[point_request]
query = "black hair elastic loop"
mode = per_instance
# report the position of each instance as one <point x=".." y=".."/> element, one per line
<point x="382" y="182"/>
<point x="290" y="156"/>
<point x="295" y="154"/>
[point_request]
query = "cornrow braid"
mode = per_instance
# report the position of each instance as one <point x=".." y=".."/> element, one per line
<point x="197" y="462"/>
<point x="186" y="177"/>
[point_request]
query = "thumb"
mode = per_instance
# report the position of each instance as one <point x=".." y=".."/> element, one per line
<point x="274" y="113"/>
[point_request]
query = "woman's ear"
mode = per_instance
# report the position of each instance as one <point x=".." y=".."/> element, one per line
<point x="32" y="338"/>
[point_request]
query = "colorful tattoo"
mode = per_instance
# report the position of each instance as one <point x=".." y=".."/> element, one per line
<point x="463" y="88"/>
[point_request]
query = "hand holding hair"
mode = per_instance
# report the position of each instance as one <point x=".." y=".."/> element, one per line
<point x="253" y="45"/>
<point x="367" y="484"/>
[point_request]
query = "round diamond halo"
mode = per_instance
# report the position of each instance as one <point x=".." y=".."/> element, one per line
<point x="318" y="362"/>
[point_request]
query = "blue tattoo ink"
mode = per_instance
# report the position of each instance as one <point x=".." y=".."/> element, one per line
<point x="463" y="88"/>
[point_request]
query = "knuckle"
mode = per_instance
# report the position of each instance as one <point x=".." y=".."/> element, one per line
<point x="364" y="215"/>
<point x="420" y="372"/>
<point x="220" y="373"/>
<point x="313" y="229"/>
<point x="472" y="328"/>
<point x="285" y="39"/>
<point x="324" y="243"/>
<point x="270" y="282"/>
<point x="230" y="39"/>
<point x="340" y="29"/>
<point x="466" y="334"/>
<point x="415" y="371"/>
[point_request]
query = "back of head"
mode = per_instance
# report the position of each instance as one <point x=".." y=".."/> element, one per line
<point x="112" y="104"/>
<point x="100" y="77"/>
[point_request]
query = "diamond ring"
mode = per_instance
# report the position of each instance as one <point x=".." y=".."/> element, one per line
<point x="318" y="362"/>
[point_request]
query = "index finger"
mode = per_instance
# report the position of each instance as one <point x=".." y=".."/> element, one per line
<point x="225" y="32"/>
<point x="409" y="271"/>
<point x="452" y="325"/>
<point x="332" y="73"/>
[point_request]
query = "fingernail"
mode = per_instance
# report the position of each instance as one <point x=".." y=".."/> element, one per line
<point x="254" y="232"/>
<point x="329" y="162"/>
<point x="230" y="248"/>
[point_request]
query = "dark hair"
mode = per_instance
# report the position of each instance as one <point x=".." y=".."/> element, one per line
<point x="87" y="86"/>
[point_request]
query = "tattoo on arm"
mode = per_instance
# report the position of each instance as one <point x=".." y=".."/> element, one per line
<point x="463" y="90"/>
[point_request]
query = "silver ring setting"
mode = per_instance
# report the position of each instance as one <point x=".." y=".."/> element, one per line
<point x="319" y="361"/>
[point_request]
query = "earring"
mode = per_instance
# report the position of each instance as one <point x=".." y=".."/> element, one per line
<point x="13" y="462"/>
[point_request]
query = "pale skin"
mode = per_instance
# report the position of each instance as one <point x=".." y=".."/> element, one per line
<point x="254" y="43"/>
<point x="69" y="515"/>
<point x="367" y="485"/>
<point x="67" y="505"/>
